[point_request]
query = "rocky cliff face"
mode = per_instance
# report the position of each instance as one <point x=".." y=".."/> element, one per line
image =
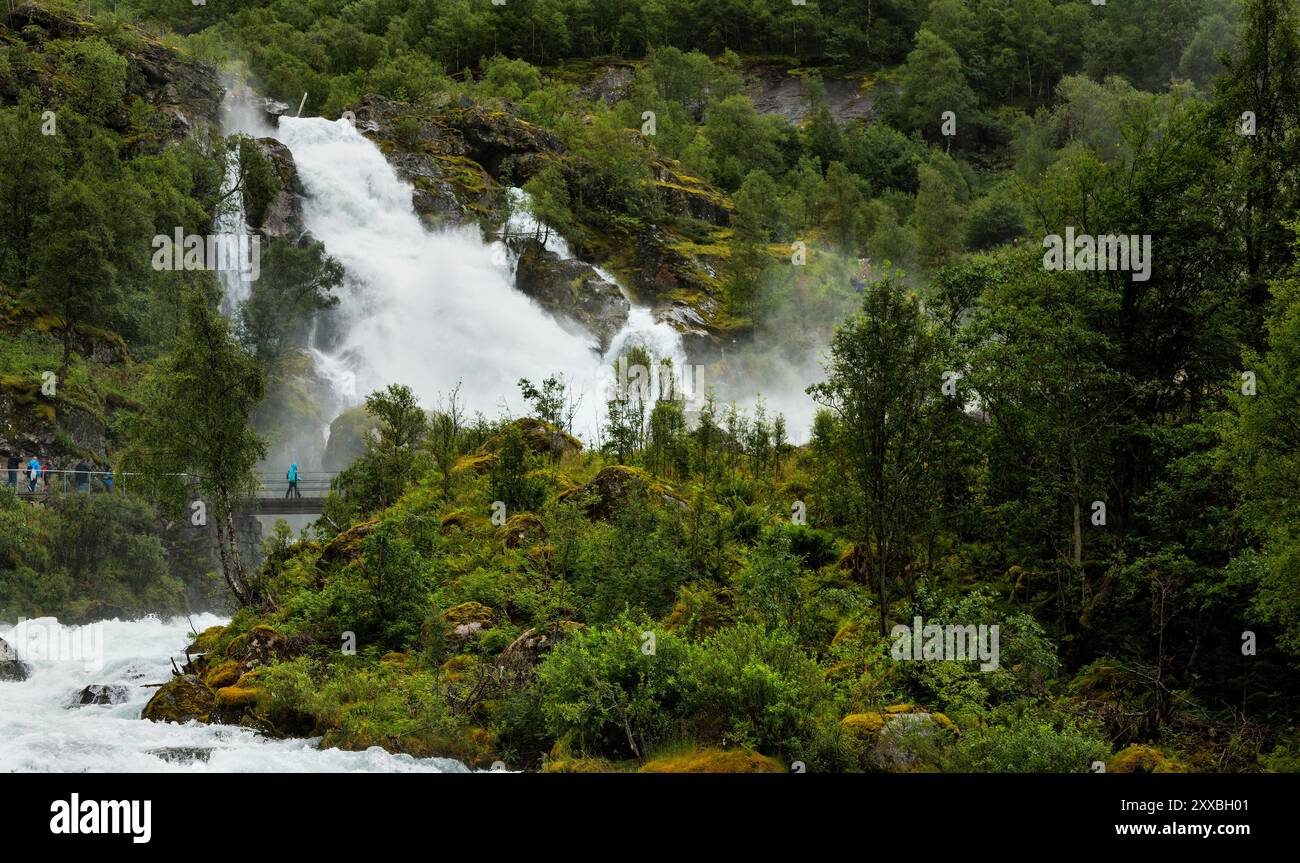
<point x="460" y="157"/>
<point x="185" y="92"/>
<point x="571" y="291"/>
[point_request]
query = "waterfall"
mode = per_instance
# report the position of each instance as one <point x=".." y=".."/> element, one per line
<point x="232" y="223"/>
<point x="431" y="309"/>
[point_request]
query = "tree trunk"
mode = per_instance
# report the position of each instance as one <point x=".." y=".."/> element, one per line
<point x="225" y="564"/>
<point x="238" y="565"/>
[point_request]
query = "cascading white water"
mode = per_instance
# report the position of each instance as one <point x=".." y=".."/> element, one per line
<point x="41" y="729"/>
<point x="236" y="283"/>
<point x="433" y="309"/>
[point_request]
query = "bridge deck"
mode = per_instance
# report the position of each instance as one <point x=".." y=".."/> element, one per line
<point x="290" y="506"/>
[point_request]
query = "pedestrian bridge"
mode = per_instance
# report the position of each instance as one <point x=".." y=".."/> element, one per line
<point x="273" y="496"/>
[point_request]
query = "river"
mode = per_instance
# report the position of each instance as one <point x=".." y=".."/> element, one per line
<point x="42" y="729"/>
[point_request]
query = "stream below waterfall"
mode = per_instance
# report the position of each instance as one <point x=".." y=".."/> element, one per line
<point x="43" y="728"/>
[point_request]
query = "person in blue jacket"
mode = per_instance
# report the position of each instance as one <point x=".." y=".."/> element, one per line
<point x="292" y="476"/>
<point x="33" y="474"/>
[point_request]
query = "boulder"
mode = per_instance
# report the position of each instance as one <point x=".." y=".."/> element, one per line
<point x="100" y="693"/>
<point x="181" y="699"/>
<point x="609" y="490"/>
<point x="541" y="437"/>
<point x="282" y="215"/>
<point x="572" y="291"/>
<point x="347" y="440"/>
<point x="12" y="669"/>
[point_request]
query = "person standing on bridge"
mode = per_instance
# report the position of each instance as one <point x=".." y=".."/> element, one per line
<point x="82" y="474"/>
<point x="292" y="476"/>
<point x="33" y="474"/>
<point x="11" y="464"/>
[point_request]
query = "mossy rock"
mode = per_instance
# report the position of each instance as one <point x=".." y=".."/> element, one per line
<point x="714" y="761"/>
<point x="207" y="640"/>
<point x="522" y="529"/>
<point x="455" y="669"/>
<point x="860" y="725"/>
<point x="609" y="490"/>
<point x="225" y="674"/>
<point x="1143" y="759"/>
<point x="457" y="519"/>
<point x="182" y="699"/>
<point x="541" y="438"/>
<point x="345" y="548"/>
<point x="236" y="697"/>
<point x="470" y="612"/>
<point x="475" y="463"/>
<point x="945" y="723"/>
<point x="395" y="658"/>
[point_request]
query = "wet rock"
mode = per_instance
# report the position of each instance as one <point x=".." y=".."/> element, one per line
<point x="453" y="157"/>
<point x="181" y="699"/>
<point x="182" y="754"/>
<point x="572" y="291"/>
<point x="282" y="215"/>
<point x="100" y="693"/>
<point x="12" y="669"/>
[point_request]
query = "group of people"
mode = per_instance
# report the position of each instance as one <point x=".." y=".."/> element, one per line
<point x="37" y="474"/>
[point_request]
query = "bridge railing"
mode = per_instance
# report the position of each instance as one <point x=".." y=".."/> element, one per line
<point x="311" y="484"/>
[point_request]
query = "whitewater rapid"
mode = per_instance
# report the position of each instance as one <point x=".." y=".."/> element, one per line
<point x="431" y="309"/>
<point x="42" y="729"/>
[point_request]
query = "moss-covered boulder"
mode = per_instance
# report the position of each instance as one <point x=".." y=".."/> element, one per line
<point x="206" y="641"/>
<point x="610" y="489"/>
<point x="1139" y="758"/>
<point x="182" y="699"/>
<point x="522" y="530"/>
<point x="346" y="546"/>
<point x="573" y="292"/>
<point x="469" y="618"/>
<point x="541" y="437"/>
<point x="714" y="761"/>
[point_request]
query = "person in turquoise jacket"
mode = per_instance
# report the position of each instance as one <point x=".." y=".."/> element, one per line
<point x="33" y="474"/>
<point x="292" y="476"/>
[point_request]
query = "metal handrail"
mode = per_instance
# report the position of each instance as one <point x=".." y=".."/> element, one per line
<point x="310" y="483"/>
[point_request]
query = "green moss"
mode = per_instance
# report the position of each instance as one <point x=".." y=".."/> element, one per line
<point x="1143" y="759"/>
<point x="714" y="761"/>
<point x="181" y="699"/>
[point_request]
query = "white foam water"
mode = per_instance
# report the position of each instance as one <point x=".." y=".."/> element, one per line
<point x="42" y="729"/>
